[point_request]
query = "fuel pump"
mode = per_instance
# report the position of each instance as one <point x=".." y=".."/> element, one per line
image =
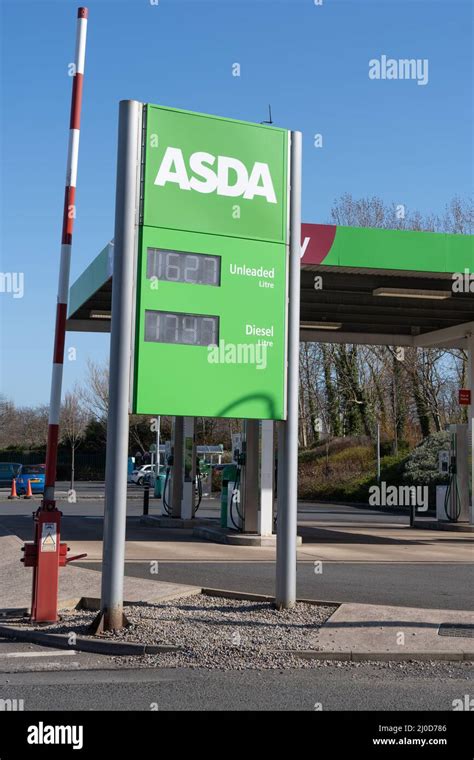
<point x="453" y="462"/>
<point x="167" y="485"/>
<point x="235" y="518"/>
<point x="188" y="469"/>
<point x="198" y="483"/>
<point x="182" y="492"/>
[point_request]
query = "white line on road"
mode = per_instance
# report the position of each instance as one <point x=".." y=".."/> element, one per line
<point x="53" y="653"/>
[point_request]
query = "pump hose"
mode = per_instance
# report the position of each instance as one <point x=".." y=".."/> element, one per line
<point x="166" y="506"/>
<point x="234" y="502"/>
<point x="199" y="488"/>
<point x="453" y="483"/>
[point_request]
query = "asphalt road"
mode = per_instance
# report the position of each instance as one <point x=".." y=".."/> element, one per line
<point x="344" y="687"/>
<point x="434" y="586"/>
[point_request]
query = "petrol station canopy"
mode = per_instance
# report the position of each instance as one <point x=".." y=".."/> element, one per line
<point x="358" y="285"/>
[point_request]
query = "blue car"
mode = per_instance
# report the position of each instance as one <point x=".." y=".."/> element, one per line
<point x="8" y="471"/>
<point x="35" y="473"/>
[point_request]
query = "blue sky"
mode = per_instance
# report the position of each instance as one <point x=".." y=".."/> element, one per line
<point x="407" y="143"/>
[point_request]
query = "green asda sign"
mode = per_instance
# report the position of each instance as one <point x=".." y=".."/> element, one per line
<point x="213" y="175"/>
<point x="210" y="335"/>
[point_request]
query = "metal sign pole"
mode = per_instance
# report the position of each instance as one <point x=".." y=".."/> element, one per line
<point x="126" y="201"/>
<point x="287" y="502"/>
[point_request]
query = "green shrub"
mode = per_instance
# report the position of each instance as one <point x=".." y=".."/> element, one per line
<point x="334" y="445"/>
<point x="348" y="475"/>
<point x="421" y="467"/>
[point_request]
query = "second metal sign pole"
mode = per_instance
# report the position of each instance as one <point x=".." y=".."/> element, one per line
<point x="287" y="500"/>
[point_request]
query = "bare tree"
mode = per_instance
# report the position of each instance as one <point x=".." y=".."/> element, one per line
<point x="458" y="216"/>
<point x="430" y="386"/>
<point x="32" y="427"/>
<point x="94" y="394"/>
<point x="73" y="423"/>
<point x="8" y="422"/>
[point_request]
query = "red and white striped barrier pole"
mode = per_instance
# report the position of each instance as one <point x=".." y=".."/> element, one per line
<point x="66" y="243"/>
<point x="46" y="554"/>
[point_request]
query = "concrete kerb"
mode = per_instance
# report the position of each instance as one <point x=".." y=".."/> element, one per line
<point x="162" y="521"/>
<point x="83" y="644"/>
<point x="351" y="656"/>
<point x="209" y="529"/>
<point x="226" y="536"/>
<point x="118" y="648"/>
<point x="434" y="524"/>
<point x="245" y="595"/>
<point x="15" y="612"/>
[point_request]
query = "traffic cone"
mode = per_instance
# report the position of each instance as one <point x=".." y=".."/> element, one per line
<point x="29" y="492"/>
<point x="13" y="494"/>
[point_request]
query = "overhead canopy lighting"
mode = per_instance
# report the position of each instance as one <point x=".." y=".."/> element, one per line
<point x="95" y="314"/>
<point x="435" y="295"/>
<point x="321" y="325"/>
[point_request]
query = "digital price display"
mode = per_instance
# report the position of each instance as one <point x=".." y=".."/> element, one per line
<point x="176" y="327"/>
<point x="178" y="266"/>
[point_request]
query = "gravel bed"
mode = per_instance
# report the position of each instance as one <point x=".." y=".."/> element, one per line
<point x="214" y="632"/>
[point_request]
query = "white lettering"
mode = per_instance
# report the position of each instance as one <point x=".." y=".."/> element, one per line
<point x="204" y="179"/>
<point x="260" y="172"/>
<point x="198" y="163"/>
<point x="166" y="173"/>
<point x="223" y="187"/>
<point x="44" y="734"/>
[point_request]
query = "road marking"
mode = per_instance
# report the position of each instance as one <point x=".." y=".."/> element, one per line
<point x="53" y="653"/>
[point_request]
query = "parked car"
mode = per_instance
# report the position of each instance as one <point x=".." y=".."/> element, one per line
<point x="149" y="479"/>
<point x="150" y="476"/>
<point x="8" y="471"/>
<point x="35" y="473"/>
<point x="138" y="476"/>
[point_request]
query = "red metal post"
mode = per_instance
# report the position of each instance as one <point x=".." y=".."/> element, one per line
<point x="44" y="606"/>
<point x="45" y="576"/>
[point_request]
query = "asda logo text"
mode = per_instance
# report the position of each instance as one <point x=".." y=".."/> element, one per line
<point x="223" y="175"/>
